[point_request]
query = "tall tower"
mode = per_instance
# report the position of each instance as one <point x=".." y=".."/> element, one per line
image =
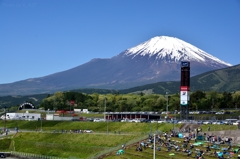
<point x="185" y="90"/>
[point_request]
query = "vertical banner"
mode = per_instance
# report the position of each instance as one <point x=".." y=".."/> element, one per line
<point x="185" y="83"/>
<point x="72" y="102"/>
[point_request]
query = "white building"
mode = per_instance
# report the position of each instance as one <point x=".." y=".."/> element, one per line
<point x="22" y="116"/>
<point x="81" y="111"/>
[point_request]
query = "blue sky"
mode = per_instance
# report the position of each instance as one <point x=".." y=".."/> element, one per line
<point x="42" y="37"/>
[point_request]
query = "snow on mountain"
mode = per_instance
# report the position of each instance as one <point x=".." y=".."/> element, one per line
<point x="172" y="50"/>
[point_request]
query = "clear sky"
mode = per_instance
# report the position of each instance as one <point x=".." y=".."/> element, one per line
<point x="42" y="37"/>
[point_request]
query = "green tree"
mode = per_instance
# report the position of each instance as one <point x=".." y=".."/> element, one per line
<point x="196" y="100"/>
<point x="236" y="99"/>
<point x="226" y="101"/>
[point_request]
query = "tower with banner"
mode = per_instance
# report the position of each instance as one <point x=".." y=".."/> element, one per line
<point x="185" y="90"/>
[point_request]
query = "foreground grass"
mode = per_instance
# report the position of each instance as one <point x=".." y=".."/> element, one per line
<point x="68" y="145"/>
<point x="77" y="145"/>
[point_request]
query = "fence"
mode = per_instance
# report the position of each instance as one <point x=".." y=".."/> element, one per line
<point x="23" y="155"/>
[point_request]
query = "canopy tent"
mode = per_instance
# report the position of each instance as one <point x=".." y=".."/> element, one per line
<point x="200" y="137"/>
<point x="198" y="143"/>
<point x="120" y="152"/>
<point x="220" y="154"/>
<point x="180" y="135"/>
<point x="215" y="146"/>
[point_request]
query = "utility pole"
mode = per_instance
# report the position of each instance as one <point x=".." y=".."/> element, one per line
<point x="106" y="120"/>
<point x="107" y="125"/>
<point x="104" y="108"/>
<point x="167" y="106"/>
<point x="5" y="120"/>
<point x="154" y="148"/>
<point x="212" y="103"/>
<point x="41" y="122"/>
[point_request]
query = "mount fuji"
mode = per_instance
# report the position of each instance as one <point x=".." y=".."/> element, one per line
<point x="155" y="60"/>
<point x="173" y="50"/>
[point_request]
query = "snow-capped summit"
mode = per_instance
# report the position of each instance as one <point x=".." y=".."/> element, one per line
<point x="171" y="49"/>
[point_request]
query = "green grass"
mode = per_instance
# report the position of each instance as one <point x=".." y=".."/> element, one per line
<point x="66" y="145"/>
<point x="76" y="145"/>
<point x="86" y="145"/>
<point x="5" y="144"/>
<point x="95" y="126"/>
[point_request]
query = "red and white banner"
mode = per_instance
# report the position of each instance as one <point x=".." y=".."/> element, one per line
<point x="184" y="88"/>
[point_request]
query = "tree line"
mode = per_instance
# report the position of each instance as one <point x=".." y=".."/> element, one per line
<point x="95" y="102"/>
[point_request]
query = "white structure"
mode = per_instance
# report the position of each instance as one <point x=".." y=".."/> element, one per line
<point x="22" y="116"/>
<point x="57" y="117"/>
<point x="85" y="111"/>
<point x="81" y="111"/>
<point x="77" y="110"/>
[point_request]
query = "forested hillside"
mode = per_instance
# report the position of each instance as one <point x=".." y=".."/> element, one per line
<point x="139" y="102"/>
<point x="223" y="80"/>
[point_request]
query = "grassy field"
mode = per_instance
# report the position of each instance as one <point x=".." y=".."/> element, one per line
<point x="68" y="145"/>
<point x="111" y="127"/>
<point x="83" y="145"/>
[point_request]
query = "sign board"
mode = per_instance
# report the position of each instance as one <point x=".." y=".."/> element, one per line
<point x="185" y="96"/>
<point x="185" y="64"/>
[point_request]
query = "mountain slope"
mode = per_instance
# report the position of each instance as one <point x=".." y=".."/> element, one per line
<point x="223" y="80"/>
<point x="157" y="59"/>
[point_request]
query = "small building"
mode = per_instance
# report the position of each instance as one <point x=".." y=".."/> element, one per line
<point x="59" y="118"/>
<point x="133" y="115"/>
<point x="22" y="116"/>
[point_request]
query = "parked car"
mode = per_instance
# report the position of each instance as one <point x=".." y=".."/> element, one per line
<point x="236" y="122"/>
<point x="154" y="121"/>
<point x="219" y="122"/>
<point x="98" y="120"/>
<point x="126" y="120"/>
<point x="207" y="122"/>
<point x="199" y="122"/>
<point x="136" y="121"/>
<point x="116" y="120"/>
<point x="145" y="120"/>
<point x="229" y="121"/>
<point x="89" y="119"/>
<point x="161" y="121"/>
<point x="87" y="131"/>
<point x="214" y="122"/>
<point x="2" y="155"/>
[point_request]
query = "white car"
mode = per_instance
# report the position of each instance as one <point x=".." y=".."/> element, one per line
<point x="98" y="120"/>
<point x="136" y="121"/>
<point x="161" y="121"/>
<point x="207" y="122"/>
<point x="87" y="131"/>
<point x="154" y="121"/>
<point x="236" y="123"/>
<point x="215" y="122"/>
